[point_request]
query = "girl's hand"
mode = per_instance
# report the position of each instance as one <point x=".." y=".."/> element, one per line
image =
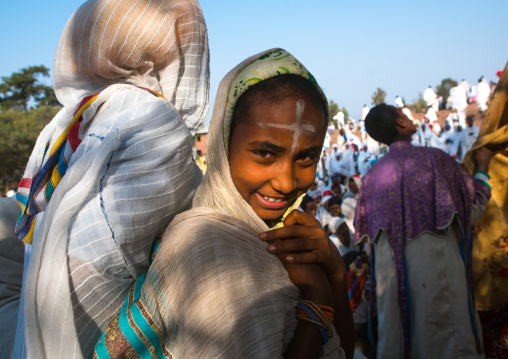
<point x="314" y="262"/>
<point x="302" y="240"/>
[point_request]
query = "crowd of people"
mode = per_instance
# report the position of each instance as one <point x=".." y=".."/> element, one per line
<point x="344" y="179"/>
<point x="129" y="244"/>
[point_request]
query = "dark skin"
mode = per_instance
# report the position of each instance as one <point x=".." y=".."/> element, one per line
<point x="269" y="169"/>
<point x="315" y="265"/>
<point x="353" y="187"/>
<point x="335" y="210"/>
<point x="342" y="234"/>
<point x="310" y="208"/>
<point x="317" y="200"/>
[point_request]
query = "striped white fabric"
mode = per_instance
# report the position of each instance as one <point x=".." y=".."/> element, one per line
<point x="132" y="173"/>
<point x="158" y="44"/>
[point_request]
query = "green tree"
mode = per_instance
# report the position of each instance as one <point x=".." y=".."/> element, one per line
<point x="444" y="88"/>
<point x="419" y="104"/>
<point x="49" y="98"/>
<point x="22" y="88"/>
<point x="18" y="132"/>
<point x="333" y="109"/>
<point x="378" y="97"/>
<point x="346" y="114"/>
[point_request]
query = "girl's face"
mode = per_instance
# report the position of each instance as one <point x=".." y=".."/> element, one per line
<point x="343" y="233"/>
<point x="353" y="187"/>
<point x="335" y="210"/>
<point x="273" y="153"/>
<point x="310" y="208"/>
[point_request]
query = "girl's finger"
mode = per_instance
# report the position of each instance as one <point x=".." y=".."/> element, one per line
<point x="298" y="244"/>
<point x="305" y="257"/>
<point x="293" y="231"/>
<point x="300" y="217"/>
<point x="296" y="224"/>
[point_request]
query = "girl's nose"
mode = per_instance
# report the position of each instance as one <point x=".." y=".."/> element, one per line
<point x="284" y="180"/>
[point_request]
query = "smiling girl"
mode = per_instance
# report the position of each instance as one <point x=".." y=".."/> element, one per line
<point x="229" y="274"/>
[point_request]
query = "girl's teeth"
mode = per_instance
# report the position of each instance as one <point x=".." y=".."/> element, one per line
<point x="271" y="199"/>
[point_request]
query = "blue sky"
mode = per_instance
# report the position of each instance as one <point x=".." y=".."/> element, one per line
<point x="351" y="47"/>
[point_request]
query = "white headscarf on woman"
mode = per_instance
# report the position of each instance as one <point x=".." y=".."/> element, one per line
<point x="213" y="289"/>
<point x="348" y="193"/>
<point x="217" y="190"/>
<point x="131" y="174"/>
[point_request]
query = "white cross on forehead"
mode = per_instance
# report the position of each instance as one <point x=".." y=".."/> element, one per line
<point x="298" y="127"/>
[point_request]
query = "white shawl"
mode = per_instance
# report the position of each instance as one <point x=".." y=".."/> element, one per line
<point x="213" y="287"/>
<point x="133" y="171"/>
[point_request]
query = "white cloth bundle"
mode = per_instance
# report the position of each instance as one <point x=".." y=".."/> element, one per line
<point x="132" y="173"/>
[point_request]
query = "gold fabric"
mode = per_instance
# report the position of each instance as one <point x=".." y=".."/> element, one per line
<point x="490" y="237"/>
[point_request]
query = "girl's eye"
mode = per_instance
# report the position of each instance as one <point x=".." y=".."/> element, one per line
<point x="308" y="160"/>
<point x="264" y="154"/>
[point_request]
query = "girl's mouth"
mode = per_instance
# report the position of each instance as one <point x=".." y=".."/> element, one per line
<point x="269" y="202"/>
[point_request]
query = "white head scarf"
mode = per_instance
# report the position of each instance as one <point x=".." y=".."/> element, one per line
<point x="217" y="190"/>
<point x="314" y="194"/>
<point x="158" y="44"/>
<point x="334" y="224"/>
<point x="108" y="46"/>
<point x="348" y="208"/>
<point x="201" y="245"/>
<point x="356" y="179"/>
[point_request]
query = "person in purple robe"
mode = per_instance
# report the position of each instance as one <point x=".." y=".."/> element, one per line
<point x="416" y="207"/>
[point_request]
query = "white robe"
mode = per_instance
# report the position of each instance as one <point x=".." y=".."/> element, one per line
<point x="334" y="163"/>
<point x="365" y="111"/>
<point x="408" y="113"/>
<point x="469" y="136"/>
<point x="465" y="85"/>
<point x="472" y="94"/>
<point x="456" y="148"/>
<point x="348" y="208"/>
<point x="355" y="140"/>
<point x="340" y="118"/>
<point x="322" y="170"/>
<point x="343" y="249"/>
<point x="483" y="94"/>
<point x="438" y="297"/>
<point x="430" y="97"/>
<point x="373" y="146"/>
<point x="426" y="136"/>
<point x="459" y="102"/>
<point x="131" y="174"/>
<point x="453" y="119"/>
<point x="364" y="159"/>
<point x="447" y="140"/>
<point x="347" y="163"/>
<point x="431" y="115"/>
<point x="137" y="145"/>
<point x="436" y="129"/>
